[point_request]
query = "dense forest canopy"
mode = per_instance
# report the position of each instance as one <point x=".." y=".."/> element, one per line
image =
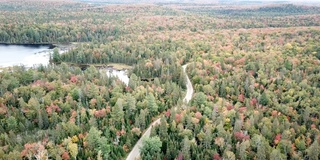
<point x="254" y="69"/>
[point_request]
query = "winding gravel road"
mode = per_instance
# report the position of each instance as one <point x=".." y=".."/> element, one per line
<point x="189" y="94"/>
<point x="135" y="152"/>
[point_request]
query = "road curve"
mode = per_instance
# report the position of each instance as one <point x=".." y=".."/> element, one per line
<point x="188" y="96"/>
<point x="135" y="152"/>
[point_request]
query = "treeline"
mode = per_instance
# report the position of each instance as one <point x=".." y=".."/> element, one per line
<point x="280" y="10"/>
<point x="261" y="16"/>
<point x="82" y="22"/>
<point x="37" y="34"/>
<point x="290" y="9"/>
<point x="50" y="26"/>
<point x="58" y="112"/>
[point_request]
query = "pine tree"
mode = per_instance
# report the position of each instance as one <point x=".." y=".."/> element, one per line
<point x="237" y="125"/>
<point x="133" y="81"/>
<point x="142" y="120"/>
<point x="40" y="120"/>
<point x="261" y="152"/>
<point x="152" y="105"/>
<point x="11" y="123"/>
<point x="242" y="149"/>
<point x="208" y="138"/>
<point x="163" y="130"/>
<point x="104" y="147"/>
<point x="93" y="138"/>
<point x="313" y="150"/>
<point x="118" y="113"/>
<point x="150" y="147"/>
<point x="182" y="79"/>
<point x="222" y="90"/>
<point x="247" y="87"/>
<point x="185" y="145"/>
<point x="131" y="104"/>
<point x="56" y="56"/>
<point x="264" y="99"/>
<point x="199" y="99"/>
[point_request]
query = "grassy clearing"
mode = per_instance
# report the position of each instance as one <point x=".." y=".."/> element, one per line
<point x="119" y="66"/>
<point x="116" y="66"/>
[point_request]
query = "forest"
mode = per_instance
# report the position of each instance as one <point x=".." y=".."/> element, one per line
<point x="255" y="70"/>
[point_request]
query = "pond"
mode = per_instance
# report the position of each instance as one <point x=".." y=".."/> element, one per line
<point x="120" y="74"/>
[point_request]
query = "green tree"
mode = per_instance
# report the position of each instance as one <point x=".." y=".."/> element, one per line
<point x="207" y="89"/>
<point x="182" y="79"/>
<point x="222" y="90"/>
<point x="318" y="53"/>
<point x="277" y="155"/>
<point x="11" y="123"/>
<point x="185" y="145"/>
<point x="152" y="105"/>
<point x="208" y="138"/>
<point x="261" y="152"/>
<point x="130" y="104"/>
<point x="104" y="147"/>
<point x="75" y="93"/>
<point x="56" y="56"/>
<point x="93" y="138"/>
<point x="242" y="149"/>
<point x="118" y="113"/>
<point x="151" y="147"/>
<point x="264" y="99"/>
<point x="229" y="155"/>
<point x="133" y="81"/>
<point x="163" y="130"/>
<point x="199" y="99"/>
<point x="247" y="87"/>
<point x="313" y="150"/>
<point x="80" y="57"/>
<point x="237" y="125"/>
<point x="288" y="65"/>
<point x="141" y="120"/>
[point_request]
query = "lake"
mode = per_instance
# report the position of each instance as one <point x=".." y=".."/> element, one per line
<point x="27" y="55"/>
<point x="33" y="55"/>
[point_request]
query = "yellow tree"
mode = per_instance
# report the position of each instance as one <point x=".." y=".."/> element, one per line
<point x="73" y="149"/>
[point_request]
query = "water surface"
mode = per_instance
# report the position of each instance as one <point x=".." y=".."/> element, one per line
<point x="120" y="74"/>
<point x="27" y="55"/>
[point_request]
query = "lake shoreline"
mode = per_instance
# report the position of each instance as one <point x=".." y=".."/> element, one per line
<point x="29" y="54"/>
<point x="50" y="45"/>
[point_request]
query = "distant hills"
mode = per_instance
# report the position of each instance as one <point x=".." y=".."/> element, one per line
<point x="149" y="1"/>
<point x="197" y="1"/>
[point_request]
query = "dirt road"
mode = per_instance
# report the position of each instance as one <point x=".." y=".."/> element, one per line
<point x="135" y="152"/>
